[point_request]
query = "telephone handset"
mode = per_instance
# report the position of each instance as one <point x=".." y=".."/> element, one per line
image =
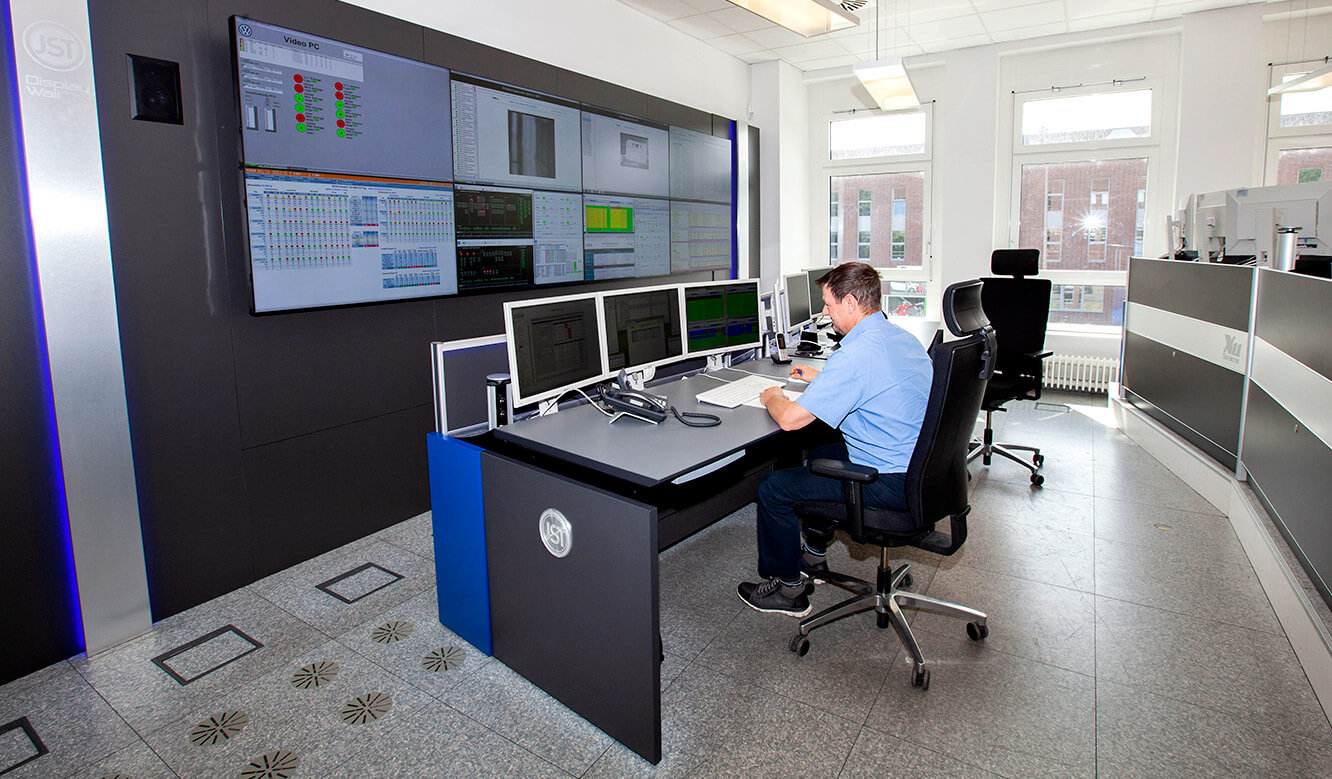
<point x="779" y="356"/>
<point x="644" y="405"/>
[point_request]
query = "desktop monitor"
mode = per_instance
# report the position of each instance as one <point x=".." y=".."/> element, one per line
<point x="642" y="328"/>
<point x="553" y="345"/>
<point x="797" y="309"/>
<point x="312" y="103"/>
<point x="721" y="316"/>
<point x="816" y="291"/>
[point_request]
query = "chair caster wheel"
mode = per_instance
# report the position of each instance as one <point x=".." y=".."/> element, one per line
<point x="921" y="678"/>
<point x="882" y="620"/>
<point x="1037" y="480"/>
<point x="977" y="632"/>
<point x="1038" y="460"/>
<point x="800" y="644"/>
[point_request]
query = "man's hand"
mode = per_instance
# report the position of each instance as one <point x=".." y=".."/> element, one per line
<point x="767" y="395"/>
<point x="803" y="373"/>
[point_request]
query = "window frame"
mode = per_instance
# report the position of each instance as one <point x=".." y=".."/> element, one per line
<point x="1280" y="139"/>
<point x="925" y="156"/>
<point x="1152" y="139"/>
<point x="1148" y="147"/>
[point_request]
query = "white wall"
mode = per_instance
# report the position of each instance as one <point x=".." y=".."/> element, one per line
<point x="601" y="38"/>
<point x="781" y="112"/>
<point x="1222" y="79"/>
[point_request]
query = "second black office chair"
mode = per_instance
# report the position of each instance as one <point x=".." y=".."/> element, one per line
<point x="936" y="487"/>
<point x="1019" y="310"/>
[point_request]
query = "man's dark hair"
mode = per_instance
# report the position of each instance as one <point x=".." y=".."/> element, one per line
<point x="855" y="278"/>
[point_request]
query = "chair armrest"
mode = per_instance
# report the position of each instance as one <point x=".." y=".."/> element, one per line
<point x="843" y="470"/>
<point x="1038" y="355"/>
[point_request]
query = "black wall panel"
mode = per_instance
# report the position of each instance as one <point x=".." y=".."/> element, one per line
<point x="317" y="492"/>
<point x="38" y="606"/>
<point x="1281" y="455"/>
<point x="260" y="442"/>
<point x="1213" y="293"/>
<point x="1202" y="399"/>
<point x="175" y="302"/>
<point x="1286" y="301"/>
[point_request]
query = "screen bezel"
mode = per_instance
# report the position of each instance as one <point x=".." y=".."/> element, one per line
<point x="602" y="297"/>
<point x="519" y="397"/>
<point x="684" y="320"/>
<point x="801" y="280"/>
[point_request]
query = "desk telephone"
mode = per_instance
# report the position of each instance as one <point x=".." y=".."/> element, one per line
<point x="644" y="405"/>
<point x="648" y="407"/>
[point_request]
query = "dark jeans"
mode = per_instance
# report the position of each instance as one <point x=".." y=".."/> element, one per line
<point x="778" y="525"/>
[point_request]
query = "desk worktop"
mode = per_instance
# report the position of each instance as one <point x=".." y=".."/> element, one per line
<point x="641" y="452"/>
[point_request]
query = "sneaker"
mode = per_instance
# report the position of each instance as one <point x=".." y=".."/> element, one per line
<point x="817" y="572"/>
<point x="775" y="598"/>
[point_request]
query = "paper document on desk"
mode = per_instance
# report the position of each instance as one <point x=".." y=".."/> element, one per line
<point x="759" y="404"/>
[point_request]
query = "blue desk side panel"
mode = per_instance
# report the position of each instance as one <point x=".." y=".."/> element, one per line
<point x="458" y="516"/>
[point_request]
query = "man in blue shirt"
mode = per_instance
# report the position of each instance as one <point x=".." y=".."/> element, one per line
<point x="873" y="389"/>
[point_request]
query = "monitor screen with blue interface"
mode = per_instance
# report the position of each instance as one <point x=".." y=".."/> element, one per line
<point x="797" y="300"/>
<point x="319" y="239"/>
<point x="553" y="346"/>
<point x="642" y="328"/>
<point x="312" y="103"/>
<point x="510" y="136"/>
<point x="721" y="316"/>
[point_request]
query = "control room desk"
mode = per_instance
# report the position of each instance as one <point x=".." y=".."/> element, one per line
<point x="575" y="510"/>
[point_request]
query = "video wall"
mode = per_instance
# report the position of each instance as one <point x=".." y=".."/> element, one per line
<point x="371" y="177"/>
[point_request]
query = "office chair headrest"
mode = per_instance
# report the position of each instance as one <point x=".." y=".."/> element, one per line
<point x="1015" y="262"/>
<point x="962" y="309"/>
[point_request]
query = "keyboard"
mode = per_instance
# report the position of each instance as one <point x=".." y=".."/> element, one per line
<point x="735" y="393"/>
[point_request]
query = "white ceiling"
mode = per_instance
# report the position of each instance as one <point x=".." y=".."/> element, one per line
<point x="905" y="27"/>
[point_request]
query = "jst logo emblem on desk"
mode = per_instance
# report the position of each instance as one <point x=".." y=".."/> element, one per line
<point x="556" y="532"/>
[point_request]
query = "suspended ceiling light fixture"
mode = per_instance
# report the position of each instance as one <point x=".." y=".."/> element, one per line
<point x="1309" y="82"/>
<point x="886" y="78"/>
<point x="806" y="17"/>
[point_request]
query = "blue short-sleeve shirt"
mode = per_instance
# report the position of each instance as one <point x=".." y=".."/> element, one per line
<point x="874" y="390"/>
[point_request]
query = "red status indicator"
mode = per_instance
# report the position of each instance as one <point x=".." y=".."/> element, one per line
<point x="299" y="88"/>
<point x="300" y="117"/>
<point x="298" y="78"/>
<point x="341" y="123"/>
<point x="337" y="85"/>
<point x="338" y="95"/>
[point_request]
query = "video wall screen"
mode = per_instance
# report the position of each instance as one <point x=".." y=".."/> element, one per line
<point x="370" y="177"/>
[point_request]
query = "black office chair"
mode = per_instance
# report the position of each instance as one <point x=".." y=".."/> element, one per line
<point x="1019" y="309"/>
<point x="936" y="487"/>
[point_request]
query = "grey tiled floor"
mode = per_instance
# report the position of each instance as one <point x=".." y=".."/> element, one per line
<point x="1129" y="637"/>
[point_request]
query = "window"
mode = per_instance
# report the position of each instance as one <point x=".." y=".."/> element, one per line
<point x="1100" y="235"/>
<point x="904" y="298"/>
<point x="1298" y="166"/>
<point x="886" y="135"/>
<point x="834" y="225"/>
<point x="1299" y="132"/>
<point x="1109" y="116"/>
<point x="1094" y="304"/>
<point x="1081" y="167"/>
<point x="897" y="252"/>
<point x="877" y="174"/>
<point x="888" y="213"/>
